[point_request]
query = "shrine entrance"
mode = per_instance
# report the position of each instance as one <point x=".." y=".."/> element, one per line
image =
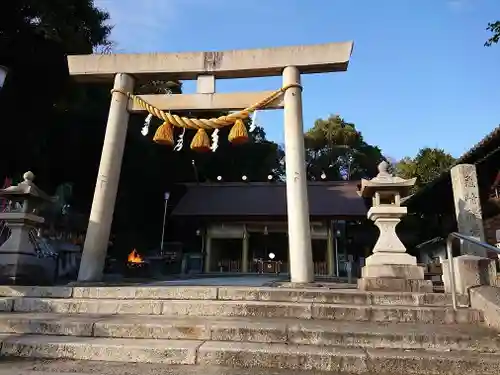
<point x="205" y="67"/>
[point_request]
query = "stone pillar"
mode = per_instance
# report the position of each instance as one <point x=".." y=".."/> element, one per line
<point x="299" y="230"/>
<point x="244" y="252"/>
<point x="103" y="205"/>
<point x="330" y="252"/>
<point x="468" y="207"/>
<point x="472" y="268"/>
<point x="208" y="253"/>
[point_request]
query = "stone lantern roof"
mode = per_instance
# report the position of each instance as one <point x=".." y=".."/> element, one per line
<point x="25" y="190"/>
<point x="384" y="181"/>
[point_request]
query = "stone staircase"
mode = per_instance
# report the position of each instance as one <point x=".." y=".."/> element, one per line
<point x="267" y="328"/>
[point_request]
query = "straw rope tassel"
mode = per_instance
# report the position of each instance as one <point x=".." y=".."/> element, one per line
<point x="201" y="141"/>
<point x="164" y="135"/>
<point x="238" y="133"/>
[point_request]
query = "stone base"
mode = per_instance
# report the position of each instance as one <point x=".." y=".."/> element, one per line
<point x="470" y="271"/>
<point x="26" y="269"/>
<point x="394" y="278"/>
<point x="391" y="258"/>
<point x="397" y="271"/>
<point x="394" y="285"/>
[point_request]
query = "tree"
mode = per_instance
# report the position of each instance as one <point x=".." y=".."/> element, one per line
<point x="55" y="127"/>
<point x="426" y="166"/>
<point x="337" y="149"/>
<point x="37" y="103"/>
<point x="494" y="28"/>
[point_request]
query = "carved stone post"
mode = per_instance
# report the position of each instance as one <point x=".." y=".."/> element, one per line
<point x="390" y="267"/>
<point x="468" y="206"/>
<point x="473" y="267"/>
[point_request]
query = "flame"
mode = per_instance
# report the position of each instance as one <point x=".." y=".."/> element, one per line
<point x="134" y="257"/>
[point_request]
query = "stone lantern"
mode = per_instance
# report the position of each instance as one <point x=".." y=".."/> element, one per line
<point x="390" y="267"/>
<point x="19" y="261"/>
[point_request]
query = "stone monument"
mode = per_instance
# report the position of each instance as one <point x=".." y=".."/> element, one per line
<point x="19" y="260"/>
<point x="390" y="267"/>
<point x="472" y="267"/>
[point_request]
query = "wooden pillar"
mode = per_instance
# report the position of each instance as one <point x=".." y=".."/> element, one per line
<point x="330" y="251"/>
<point x="208" y="253"/>
<point x="244" y="251"/>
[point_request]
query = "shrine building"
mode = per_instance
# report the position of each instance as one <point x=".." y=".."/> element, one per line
<point x="238" y="224"/>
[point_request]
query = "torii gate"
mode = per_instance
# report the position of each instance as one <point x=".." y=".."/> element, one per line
<point x="205" y="67"/>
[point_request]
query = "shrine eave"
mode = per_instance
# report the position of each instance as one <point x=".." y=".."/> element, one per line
<point x="264" y="200"/>
<point x="488" y="148"/>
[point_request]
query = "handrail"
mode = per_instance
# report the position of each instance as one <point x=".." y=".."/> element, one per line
<point x="451" y="267"/>
<point x="428" y="242"/>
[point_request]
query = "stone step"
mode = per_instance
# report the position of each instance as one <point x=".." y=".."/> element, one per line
<point x="24" y="366"/>
<point x="261" y="309"/>
<point x="253" y="355"/>
<point x="360" y="313"/>
<point x="308" y="295"/>
<point x="292" y="331"/>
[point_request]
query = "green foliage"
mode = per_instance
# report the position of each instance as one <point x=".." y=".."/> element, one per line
<point x="337" y="149"/>
<point x="426" y="166"/>
<point x="494" y="28"/>
<point x="56" y="123"/>
<point x="160" y="87"/>
<point x="77" y="26"/>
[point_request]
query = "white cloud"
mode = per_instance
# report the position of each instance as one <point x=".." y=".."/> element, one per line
<point x="148" y="25"/>
<point x="459" y="5"/>
<point x="140" y="26"/>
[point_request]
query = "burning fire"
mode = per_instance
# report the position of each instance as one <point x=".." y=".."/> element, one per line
<point x="134" y="257"/>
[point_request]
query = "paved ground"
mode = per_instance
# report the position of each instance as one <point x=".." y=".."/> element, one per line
<point x="251" y="280"/>
<point x="63" y="367"/>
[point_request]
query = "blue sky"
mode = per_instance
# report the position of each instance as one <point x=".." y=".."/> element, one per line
<point x="419" y="74"/>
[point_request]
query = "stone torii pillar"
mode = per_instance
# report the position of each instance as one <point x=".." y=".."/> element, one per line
<point x="205" y="67"/>
<point x="299" y="229"/>
<point x="103" y="205"/>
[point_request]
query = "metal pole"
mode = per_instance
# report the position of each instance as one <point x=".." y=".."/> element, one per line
<point x="451" y="268"/>
<point x="337" y="271"/>
<point x="349" y="268"/>
<point x="163" y="227"/>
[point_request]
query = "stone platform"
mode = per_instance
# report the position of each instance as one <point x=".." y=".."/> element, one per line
<point x="238" y="327"/>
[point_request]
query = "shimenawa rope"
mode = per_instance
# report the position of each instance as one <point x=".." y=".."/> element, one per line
<point x="207" y="124"/>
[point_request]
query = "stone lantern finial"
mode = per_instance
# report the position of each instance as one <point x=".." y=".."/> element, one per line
<point x="29" y="177"/>
<point x="383" y="168"/>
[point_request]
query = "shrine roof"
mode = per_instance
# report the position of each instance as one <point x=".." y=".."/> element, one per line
<point x="480" y="153"/>
<point x="339" y="199"/>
